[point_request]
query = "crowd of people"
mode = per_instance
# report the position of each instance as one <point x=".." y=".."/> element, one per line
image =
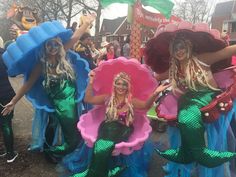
<point x="86" y="48"/>
<point x="190" y="77"/>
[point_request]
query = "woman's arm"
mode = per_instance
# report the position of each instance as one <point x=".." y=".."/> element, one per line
<point x="23" y="90"/>
<point x="80" y="31"/>
<point x="213" y="57"/>
<point x="89" y="96"/>
<point x="138" y="104"/>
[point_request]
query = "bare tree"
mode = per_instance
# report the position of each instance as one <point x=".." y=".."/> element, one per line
<point x="57" y="9"/>
<point x="193" y="10"/>
<point x="63" y="10"/>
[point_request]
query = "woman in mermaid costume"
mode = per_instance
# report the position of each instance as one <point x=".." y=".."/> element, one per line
<point x="193" y="83"/>
<point x="59" y="84"/>
<point x="193" y="75"/>
<point x="117" y="126"/>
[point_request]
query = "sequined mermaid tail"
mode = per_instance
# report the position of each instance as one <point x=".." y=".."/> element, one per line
<point x="99" y="164"/>
<point x="109" y="134"/>
<point x="113" y="173"/>
<point x="7" y="132"/>
<point x="71" y="138"/>
<point x="62" y="95"/>
<point x="193" y="147"/>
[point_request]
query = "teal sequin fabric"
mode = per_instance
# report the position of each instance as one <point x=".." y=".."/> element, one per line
<point x="61" y="93"/>
<point x="109" y="134"/>
<point x="193" y="147"/>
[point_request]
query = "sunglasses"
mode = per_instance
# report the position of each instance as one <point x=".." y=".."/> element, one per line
<point x="52" y="44"/>
<point x="179" y="46"/>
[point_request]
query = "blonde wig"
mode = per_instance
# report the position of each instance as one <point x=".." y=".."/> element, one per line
<point x="63" y="67"/>
<point x="111" y="111"/>
<point x="195" y="75"/>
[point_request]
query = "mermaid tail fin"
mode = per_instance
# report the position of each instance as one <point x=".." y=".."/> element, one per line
<point x="115" y="172"/>
<point x="112" y="173"/>
<point x="211" y="158"/>
<point x="175" y="155"/>
<point x="203" y="156"/>
<point x="83" y="174"/>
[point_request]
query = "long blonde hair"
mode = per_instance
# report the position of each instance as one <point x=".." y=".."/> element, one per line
<point x="193" y="68"/>
<point x="111" y="111"/>
<point x="63" y="67"/>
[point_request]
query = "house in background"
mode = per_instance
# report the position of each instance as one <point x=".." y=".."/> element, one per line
<point x="224" y="19"/>
<point x="118" y="29"/>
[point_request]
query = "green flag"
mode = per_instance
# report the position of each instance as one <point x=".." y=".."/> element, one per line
<point x="163" y="6"/>
<point x="105" y="3"/>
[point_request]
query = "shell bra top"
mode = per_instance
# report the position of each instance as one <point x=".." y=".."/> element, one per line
<point x="182" y="84"/>
<point x="122" y="116"/>
<point x="53" y="81"/>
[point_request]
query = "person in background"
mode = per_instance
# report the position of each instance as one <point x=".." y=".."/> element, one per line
<point x="102" y="51"/>
<point x="74" y="26"/>
<point x="95" y="52"/>
<point x="225" y="36"/>
<point x="110" y="53"/>
<point x="83" y="49"/>
<point x="126" y="48"/>
<point x="117" y="48"/>
<point x="6" y="94"/>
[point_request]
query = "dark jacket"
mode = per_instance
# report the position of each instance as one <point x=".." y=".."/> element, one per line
<point x="85" y="54"/>
<point x="6" y="90"/>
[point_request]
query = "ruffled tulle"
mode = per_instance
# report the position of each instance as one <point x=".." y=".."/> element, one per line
<point x="137" y="162"/>
<point x="220" y="137"/>
<point x="39" y="125"/>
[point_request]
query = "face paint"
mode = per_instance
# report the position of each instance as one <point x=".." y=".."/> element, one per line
<point x="180" y="50"/>
<point x="52" y="47"/>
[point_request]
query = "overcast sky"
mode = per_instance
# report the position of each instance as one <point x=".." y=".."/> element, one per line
<point x="119" y="10"/>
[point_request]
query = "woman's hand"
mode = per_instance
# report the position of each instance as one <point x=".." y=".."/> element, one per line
<point x="90" y="18"/>
<point x="161" y="88"/>
<point x="139" y="104"/>
<point x="8" y="108"/>
<point x="91" y="76"/>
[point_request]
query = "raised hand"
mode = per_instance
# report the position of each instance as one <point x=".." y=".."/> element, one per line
<point x="90" y="18"/>
<point x="161" y="88"/>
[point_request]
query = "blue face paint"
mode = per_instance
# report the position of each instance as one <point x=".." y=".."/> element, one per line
<point x="52" y="46"/>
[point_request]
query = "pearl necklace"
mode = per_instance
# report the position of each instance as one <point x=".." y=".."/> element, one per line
<point x="52" y="66"/>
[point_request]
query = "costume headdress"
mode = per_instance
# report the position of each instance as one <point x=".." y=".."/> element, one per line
<point x="203" y="40"/>
<point x="22" y="55"/>
<point x="123" y="76"/>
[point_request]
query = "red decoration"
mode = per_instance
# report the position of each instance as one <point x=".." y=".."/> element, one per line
<point x="150" y="19"/>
